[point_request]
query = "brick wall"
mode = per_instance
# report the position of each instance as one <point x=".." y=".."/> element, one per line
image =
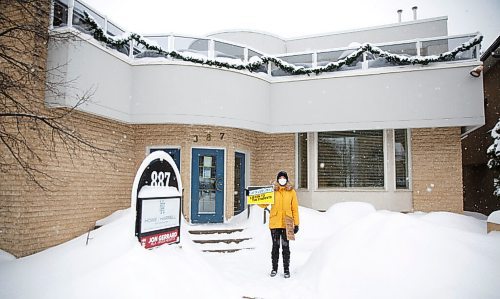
<point x="85" y="186"/>
<point x="437" y="170"/>
<point x="267" y="153"/>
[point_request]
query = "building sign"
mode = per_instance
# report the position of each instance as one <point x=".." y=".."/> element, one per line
<point x="159" y="213"/>
<point x="260" y="195"/>
<point x="157" y="196"/>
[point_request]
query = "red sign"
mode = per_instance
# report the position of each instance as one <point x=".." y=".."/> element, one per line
<point x="160" y="239"/>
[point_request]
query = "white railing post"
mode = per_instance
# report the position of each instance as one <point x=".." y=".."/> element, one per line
<point x="105" y="29"/>
<point x="211" y="49"/>
<point x="315" y="59"/>
<point x="71" y="6"/>
<point x="269" y="64"/>
<point x="170" y="44"/>
<point x="364" y="64"/>
<point x="131" y="49"/>
<point x="418" y="44"/>
<point x="245" y="55"/>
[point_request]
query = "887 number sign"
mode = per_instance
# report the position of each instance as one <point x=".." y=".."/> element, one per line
<point x="160" y="178"/>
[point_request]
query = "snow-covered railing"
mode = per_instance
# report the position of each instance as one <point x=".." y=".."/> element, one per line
<point x="212" y="52"/>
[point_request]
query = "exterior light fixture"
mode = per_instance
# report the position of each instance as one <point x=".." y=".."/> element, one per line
<point x="476" y="72"/>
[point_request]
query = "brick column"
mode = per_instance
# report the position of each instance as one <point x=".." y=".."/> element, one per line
<point x="437" y="169"/>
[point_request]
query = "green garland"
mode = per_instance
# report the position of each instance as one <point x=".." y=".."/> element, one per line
<point x="99" y="35"/>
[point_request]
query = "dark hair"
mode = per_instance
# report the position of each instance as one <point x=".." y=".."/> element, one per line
<point x="282" y="173"/>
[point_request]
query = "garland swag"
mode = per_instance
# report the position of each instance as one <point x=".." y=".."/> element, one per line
<point x="99" y="35"/>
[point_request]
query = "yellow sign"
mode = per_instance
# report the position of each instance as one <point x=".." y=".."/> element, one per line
<point x="260" y="195"/>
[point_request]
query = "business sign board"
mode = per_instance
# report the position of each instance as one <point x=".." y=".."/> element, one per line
<point x="260" y="195"/>
<point x="157" y="196"/>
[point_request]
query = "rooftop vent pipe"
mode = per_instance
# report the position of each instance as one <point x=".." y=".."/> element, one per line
<point x="414" y="8"/>
<point x="400" y="11"/>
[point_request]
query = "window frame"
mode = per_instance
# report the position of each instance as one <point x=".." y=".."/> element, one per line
<point x="409" y="162"/>
<point x="386" y="164"/>
<point x="308" y="160"/>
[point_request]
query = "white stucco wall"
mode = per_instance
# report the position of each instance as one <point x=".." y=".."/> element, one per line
<point x="89" y="68"/>
<point x="166" y="91"/>
<point x="412" y="97"/>
<point x="192" y="94"/>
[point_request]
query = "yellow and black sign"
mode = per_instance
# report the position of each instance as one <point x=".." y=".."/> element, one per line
<point x="260" y="195"/>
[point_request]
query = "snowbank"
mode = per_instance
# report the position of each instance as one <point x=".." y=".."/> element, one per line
<point x="345" y="213"/>
<point x="392" y="255"/>
<point x="494" y="217"/>
<point x="5" y="256"/>
<point x="349" y="251"/>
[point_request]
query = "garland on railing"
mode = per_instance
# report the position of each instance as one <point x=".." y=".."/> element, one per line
<point x="256" y="64"/>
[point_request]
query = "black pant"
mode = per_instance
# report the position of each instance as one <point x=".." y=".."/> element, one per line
<point x="279" y="235"/>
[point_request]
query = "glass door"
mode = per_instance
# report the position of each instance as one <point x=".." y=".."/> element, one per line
<point x="239" y="183"/>
<point x="207" y="186"/>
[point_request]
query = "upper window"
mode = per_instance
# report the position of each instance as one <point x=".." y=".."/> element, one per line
<point x="302" y="165"/>
<point x="351" y="159"/>
<point x="401" y="158"/>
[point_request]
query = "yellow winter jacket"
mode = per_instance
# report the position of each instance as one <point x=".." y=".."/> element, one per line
<point x="285" y="203"/>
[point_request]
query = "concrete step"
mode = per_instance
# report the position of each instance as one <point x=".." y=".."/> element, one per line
<point x="227" y="250"/>
<point x="227" y="241"/>
<point x="220" y="240"/>
<point x="215" y="231"/>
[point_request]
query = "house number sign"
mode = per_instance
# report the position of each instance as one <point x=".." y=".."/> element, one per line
<point x="207" y="137"/>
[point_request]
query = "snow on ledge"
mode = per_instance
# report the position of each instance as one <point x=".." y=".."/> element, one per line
<point x="158" y="191"/>
<point x="494" y="217"/>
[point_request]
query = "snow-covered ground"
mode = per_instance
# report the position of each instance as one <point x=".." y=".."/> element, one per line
<point x="350" y="251"/>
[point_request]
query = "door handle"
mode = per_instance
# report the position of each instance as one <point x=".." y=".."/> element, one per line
<point x="219" y="184"/>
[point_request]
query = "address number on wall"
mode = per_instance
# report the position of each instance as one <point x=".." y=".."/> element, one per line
<point x="207" y="137"/>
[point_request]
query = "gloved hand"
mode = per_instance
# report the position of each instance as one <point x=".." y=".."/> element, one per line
<point x="296" y="229"/>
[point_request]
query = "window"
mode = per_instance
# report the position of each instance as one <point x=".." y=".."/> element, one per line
<point x="302" y="163"/>
<point x="401" y="158"/>
<point x="351" y="159"/>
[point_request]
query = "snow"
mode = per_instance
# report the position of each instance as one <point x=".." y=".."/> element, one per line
<point x="5" y="256"/>
<point x="158" y="191"/>
<point x="476" y="215"/>
<point x="349" y="251"/>
<point x="494" y="217"/>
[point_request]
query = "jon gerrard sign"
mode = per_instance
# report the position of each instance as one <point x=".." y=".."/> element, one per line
<point x="157" y="196"/>
<point x="260" y="195"/>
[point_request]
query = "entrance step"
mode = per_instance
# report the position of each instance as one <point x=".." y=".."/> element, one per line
<point x="221" y="240"/>
<point x="227" y="241"/>
<point x="227" y="250"/>
<point x="215" y="231"/>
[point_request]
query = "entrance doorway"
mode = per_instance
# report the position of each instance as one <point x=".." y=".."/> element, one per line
<point x="239" y="183"/>
<point x="207" y="186"/>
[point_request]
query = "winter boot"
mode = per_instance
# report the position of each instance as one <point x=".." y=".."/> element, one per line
<point x="287" y="274"/>
<point x="273" y="273"/>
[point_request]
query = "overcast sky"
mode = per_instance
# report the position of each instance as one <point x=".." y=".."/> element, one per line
<point x="294" y="18"/>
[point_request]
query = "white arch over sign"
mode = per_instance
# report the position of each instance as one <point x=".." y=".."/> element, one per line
<point x="150" y="158"/>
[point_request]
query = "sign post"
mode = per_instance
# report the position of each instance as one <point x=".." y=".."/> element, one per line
<point x="157" y="196"/>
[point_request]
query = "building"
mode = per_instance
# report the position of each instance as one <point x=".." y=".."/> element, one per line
<point x="478" y="178"/>
<point x="374" y="130"/>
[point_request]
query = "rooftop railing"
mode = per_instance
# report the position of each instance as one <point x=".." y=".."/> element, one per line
<point x="70" y="13"/>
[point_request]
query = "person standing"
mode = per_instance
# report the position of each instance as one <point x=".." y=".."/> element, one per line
<point x="285" y="204"/>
